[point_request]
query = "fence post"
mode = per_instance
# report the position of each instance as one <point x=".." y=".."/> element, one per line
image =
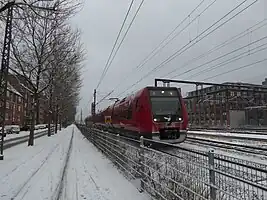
<point x="212" y="175"/>
<point x="142" y="159"/>
<point x="117" y="146"/>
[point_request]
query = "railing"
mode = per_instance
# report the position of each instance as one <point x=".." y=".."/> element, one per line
<point x="171" y="172"/>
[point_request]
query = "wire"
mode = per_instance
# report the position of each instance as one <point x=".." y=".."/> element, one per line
<point x="145" y="60"/>
<point x="166" y="38"/>
<point x="104" y="98"/>
<point x="219" y="57"/>
<point x="182" y="50"/>
<point x="236" y="69"/>
<point x="219" y="46"/>
<point x="136" y="13"/>
<point x="179" y="52"/>
<point x="114" y="45"/>
<point x="230" y="61"/>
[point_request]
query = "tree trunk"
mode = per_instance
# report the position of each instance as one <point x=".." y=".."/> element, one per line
<point x="60" y="123"/>
<point x="33" y="109"/>
<point x="37" y="111"/>
<point x="56" y="119"/>
<point x="31" y="136"/>
<point x="50" y="113"/>
<point x="36" y="96"/>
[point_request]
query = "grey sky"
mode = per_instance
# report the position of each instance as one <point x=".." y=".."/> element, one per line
<point x="100" y="21"/>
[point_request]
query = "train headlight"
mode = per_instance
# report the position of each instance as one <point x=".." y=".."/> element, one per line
<point x="155" y="120"/>
<point x="180" y="119"/>
<point x="162" y="92"/>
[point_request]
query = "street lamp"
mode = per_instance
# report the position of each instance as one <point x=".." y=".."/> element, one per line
<point x="6" y="56"/>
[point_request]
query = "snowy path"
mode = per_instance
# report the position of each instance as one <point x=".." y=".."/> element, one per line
<point x="91" y="176"/>
<point x="34" y="172"/>
<point x="37" y="172"/>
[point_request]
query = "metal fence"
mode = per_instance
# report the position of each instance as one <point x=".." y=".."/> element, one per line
<point x="171" y="172"/>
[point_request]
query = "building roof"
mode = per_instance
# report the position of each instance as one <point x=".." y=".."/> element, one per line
<point x="12" y="89"/>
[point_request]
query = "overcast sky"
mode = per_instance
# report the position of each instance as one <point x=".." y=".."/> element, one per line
<point x="100" y="21"/>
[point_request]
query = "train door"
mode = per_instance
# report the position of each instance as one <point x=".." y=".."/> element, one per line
<point x="141" y="115"/>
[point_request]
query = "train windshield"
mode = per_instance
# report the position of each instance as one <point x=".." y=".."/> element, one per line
<point x="165" y="105"/>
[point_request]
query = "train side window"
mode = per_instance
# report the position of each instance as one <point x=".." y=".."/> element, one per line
<point x="137" y="106"/>
<point x="130" y="111"/>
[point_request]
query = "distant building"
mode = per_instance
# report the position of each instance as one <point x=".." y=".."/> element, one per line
<point x="26" y="90"/>
<point x="14" y="107"/>
<point x="220" y="106"/>
<point x="264" y="82"/>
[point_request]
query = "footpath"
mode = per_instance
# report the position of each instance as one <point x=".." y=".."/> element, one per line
<point x="65" y="166"/>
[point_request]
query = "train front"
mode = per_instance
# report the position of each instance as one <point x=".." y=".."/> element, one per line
<point x="169" y="115"/>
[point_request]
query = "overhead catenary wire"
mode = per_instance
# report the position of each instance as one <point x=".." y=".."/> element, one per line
<point x="188" y="46"/>
<point x="153" y="53"/>
<point x="124" y="36"/>
<point x="168" y="36"/>
<point x="115" y="43"/>
<point x="236" y="69"/>
<point x="104" y="98"/>
<point x="221" y="45"/>
<point x="231" y="60"/>
<point x="222" y="56"/>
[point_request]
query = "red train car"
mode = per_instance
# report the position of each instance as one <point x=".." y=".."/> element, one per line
<point x="157" y="113"/>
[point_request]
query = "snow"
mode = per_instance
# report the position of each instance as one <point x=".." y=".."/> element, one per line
<point x="22" y="133"/>
<point x="92" y="176"/>
<point x="241" y="135"/>
<point x="37" y="172"/>
<point x="227" y="152"/>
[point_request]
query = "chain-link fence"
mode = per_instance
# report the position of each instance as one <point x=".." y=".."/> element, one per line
<point x="171" y="172"/>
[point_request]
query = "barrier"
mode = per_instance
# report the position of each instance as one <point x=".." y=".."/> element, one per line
<point x="173" y="172"/>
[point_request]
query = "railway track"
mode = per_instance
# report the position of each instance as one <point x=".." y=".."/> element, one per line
<point x="242" y="131"/>
<point x="228" y="145"/>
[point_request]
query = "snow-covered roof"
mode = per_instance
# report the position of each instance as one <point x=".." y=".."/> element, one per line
<point x="12" y="89"/>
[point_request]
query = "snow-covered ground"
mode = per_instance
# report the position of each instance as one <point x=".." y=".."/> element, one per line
<point x="227" y="152"/>
<point x="22" y="133"/>
<point x="220" y="134"/>
<point x="36" y="172"/>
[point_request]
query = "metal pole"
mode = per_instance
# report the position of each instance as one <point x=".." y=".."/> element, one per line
<point x="4" y="73"/>
<point x="212" y="175"/>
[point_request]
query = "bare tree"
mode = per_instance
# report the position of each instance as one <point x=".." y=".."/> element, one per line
<point x="64" y="75"/>
<point x="34" y="47"/>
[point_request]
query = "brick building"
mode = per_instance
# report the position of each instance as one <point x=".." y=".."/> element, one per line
<point x="221" y="106"/>
<point x="25" y="89"/>
<point x="14" y="107"/>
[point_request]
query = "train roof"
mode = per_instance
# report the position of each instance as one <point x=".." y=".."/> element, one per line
<point x="134" y="95"/>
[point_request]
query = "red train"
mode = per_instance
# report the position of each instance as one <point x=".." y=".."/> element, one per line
<point x="153" y="112"/>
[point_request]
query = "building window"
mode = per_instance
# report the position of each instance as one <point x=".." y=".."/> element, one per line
<point x="19" y="99"/>
<point x="7" y="105"/>
<point x="19" y="108"/>
<point x="7" y="93"/>
<point x="18" y="118"/>
<point x="14" y="98"/>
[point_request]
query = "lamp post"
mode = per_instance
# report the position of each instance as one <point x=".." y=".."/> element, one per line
<point x="5" y="62"/>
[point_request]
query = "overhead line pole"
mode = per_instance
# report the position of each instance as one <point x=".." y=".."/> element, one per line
<point x="206" y="83"/>
<point x="5" y="65"/>
<point x="4" y="70"/>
